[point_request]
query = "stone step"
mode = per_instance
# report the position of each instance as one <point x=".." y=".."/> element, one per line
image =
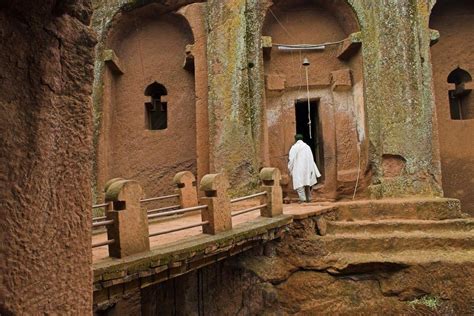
<point x="350" y="262"/>
<point x="425" y="209"/>
<point x="390" y="226"/>
<point x="392" y="242"/>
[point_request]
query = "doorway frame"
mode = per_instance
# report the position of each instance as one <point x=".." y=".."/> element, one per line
<point x="319" y="142"/>
<point x="325" y="99"/>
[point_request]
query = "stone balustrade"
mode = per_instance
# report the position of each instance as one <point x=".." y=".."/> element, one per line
<point x="126" y="216"/>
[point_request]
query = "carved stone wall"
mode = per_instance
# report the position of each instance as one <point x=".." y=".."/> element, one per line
<point x="454" y="49"/>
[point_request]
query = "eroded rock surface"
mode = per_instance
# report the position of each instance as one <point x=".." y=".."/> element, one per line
<point x="384" y="266"/>
<point x="46" y="57"/>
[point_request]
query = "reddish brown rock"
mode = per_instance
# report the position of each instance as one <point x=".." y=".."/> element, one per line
<point x="159" y="50"/>
<point x="275" y="82"/>
<point x="130" y="228"/>
<point x="270" y="178"/>
<point x="393" y="165"/>
<point x="46" y="62"/>
<point x="456" y="141"/>
<point x="341" y="80"/>
<point x="186" y="183"/>
<point x="218" y="211"/>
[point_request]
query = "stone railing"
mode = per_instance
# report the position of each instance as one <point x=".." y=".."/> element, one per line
<point x="126" y="215"/>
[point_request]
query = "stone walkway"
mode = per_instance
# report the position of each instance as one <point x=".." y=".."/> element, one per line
<point x="189" y="219"/>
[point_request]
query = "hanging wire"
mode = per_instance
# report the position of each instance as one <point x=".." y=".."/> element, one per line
<point x="358" y="172"/>
<point x="292" y="56"/>
<point x="281" y="24"/>
<point x="292" y="60"/>
<point x="306" y="65"/>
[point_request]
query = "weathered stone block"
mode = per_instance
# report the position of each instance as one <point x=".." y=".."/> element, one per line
<point x="112" y="61"/>
<point x="341" y="80"/>
<point x="267" y="46"/>
<point x="350" y="46"/>
<point x="392" y="165"/>
<point x="101" y="296"/>
<point x="274" y="199"/>
<point x="186" y="183"/>
<point x="189" y="58"/>
<point x="434" y="37"/>
<point x="275" y="82"/>
<point x="130" y="227"/>
<point x="218" y="212"/>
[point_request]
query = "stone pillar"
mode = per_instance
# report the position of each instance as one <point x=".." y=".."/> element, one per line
<point x="234" y="122"/>
<point x="130" y="228"/>
<point x="195" y="14"/>
<point x="400" y="106"/>
<point x="255" y="16"/>
<point x="186" y="183"/>
<point x="274" y="199"/>
<point x="218" y="212"/>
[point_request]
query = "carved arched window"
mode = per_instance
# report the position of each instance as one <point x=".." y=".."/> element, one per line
<point x="460" y="99"/>
<point x="156" y="110"/>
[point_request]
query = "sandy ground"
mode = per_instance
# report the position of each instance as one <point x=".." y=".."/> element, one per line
<point x="194" y="218"/>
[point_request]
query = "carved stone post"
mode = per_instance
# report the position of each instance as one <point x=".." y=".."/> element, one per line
<point x="218" y="212"/>
<point x="274" y="199"/>
<point x="186" y="183"/>
<point x="130" y="228"/>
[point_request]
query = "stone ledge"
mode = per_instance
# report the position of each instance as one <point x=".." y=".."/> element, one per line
<point x="401" y="208"/>
<point x="350" y="46"/>
<point x="112" y="61"/>
<point x="311" y="211"/>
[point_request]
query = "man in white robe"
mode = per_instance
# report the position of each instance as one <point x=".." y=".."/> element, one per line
<point x="302" y="168"/>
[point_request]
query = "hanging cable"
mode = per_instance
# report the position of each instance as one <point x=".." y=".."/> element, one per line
<point x="291" y="50"/>
<point x="358" y="173"/>
<point x="306" y="65"/>
<point x="281" y="24"/>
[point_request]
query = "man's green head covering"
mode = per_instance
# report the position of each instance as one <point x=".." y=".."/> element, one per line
<point x="298" y="137"/>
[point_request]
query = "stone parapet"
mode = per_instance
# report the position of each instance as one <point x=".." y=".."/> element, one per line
<point x="186" y="183"/>
<point x="270" y="178"/>
<point x="114" y="279"/>
<point x="218" y="211"/>
<point x="130" y="221"/>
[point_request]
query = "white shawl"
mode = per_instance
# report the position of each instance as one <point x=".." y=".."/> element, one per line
<point x="301" y="165"/>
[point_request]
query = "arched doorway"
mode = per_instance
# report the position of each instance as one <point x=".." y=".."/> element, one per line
<point x="325" y="34"/>
<point x="453" y="67"/>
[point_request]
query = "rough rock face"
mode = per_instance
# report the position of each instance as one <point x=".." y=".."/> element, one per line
<point x="304" y="274"/>
<point x="298" y="276"/>
<point x="46" y="58"/>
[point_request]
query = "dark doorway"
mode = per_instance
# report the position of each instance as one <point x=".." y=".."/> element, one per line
<point x="313" y="139"/>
